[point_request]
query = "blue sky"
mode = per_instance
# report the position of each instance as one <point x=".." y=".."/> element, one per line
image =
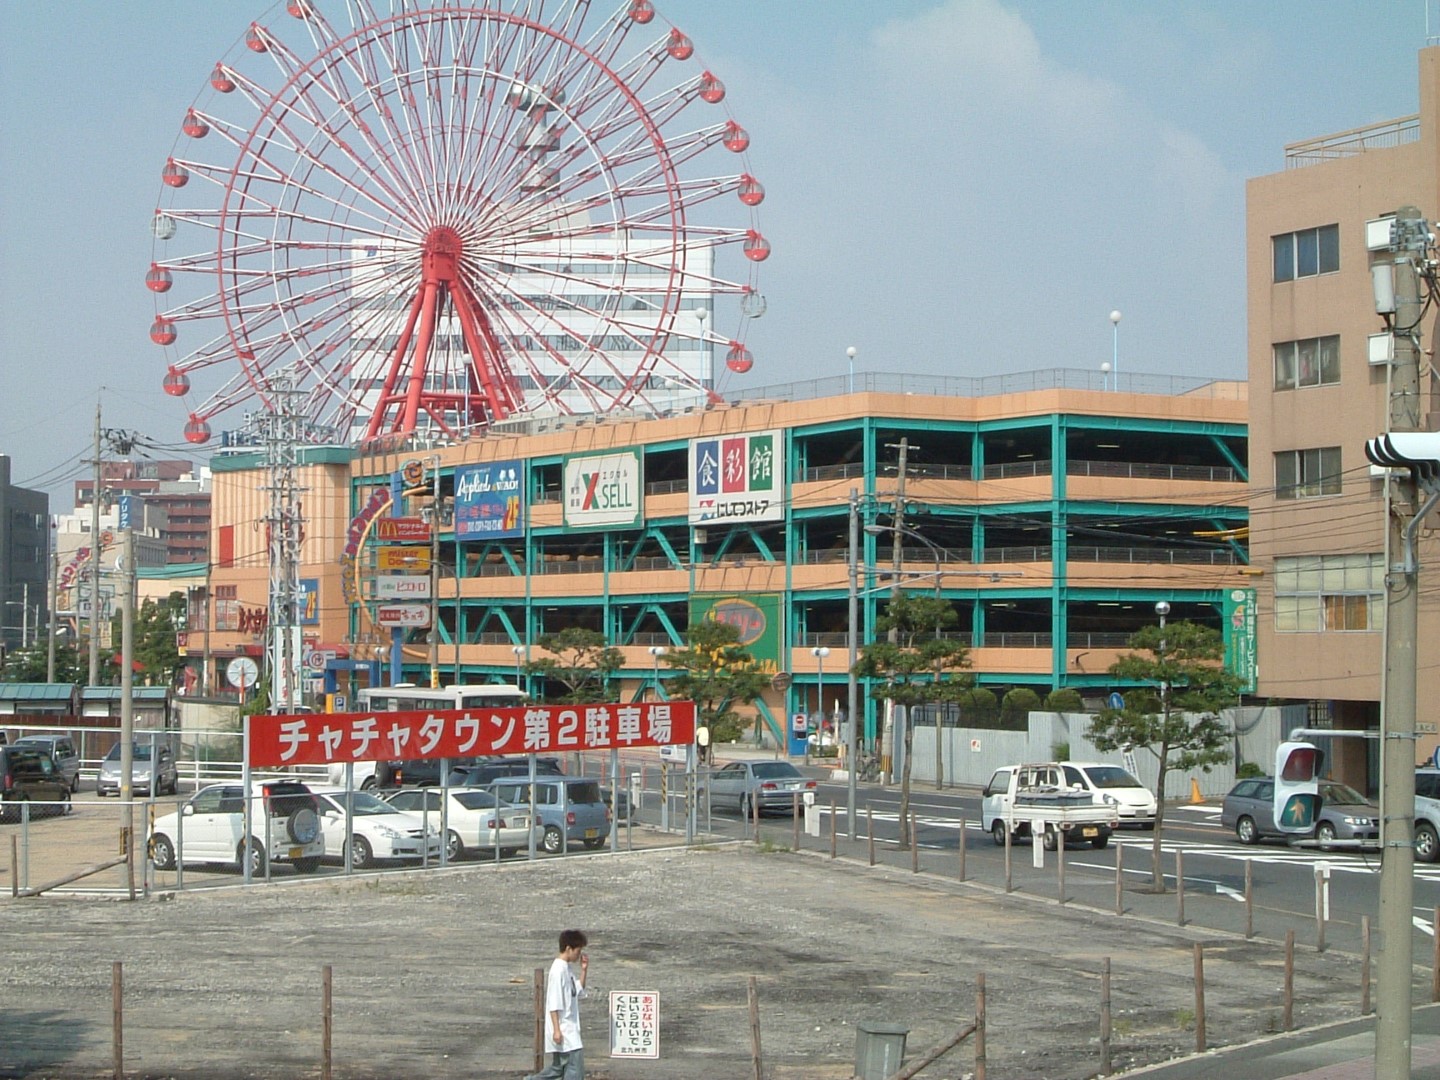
<point x="958" y="187"/>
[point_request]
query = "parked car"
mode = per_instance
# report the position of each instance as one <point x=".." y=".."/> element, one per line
<point x="378" y="830"/>
<point x="1345" y="814"/>
<point x="570" y="809"/>
<point x="29" y="775"/>
<point x="743" y="784"/>
<point x="1427" y="815"/>
<point x="485" y="771"/>
<point x="61" y="749"/>
<point x="210" y="828"/>
<point x="475" y="820"/>
<point x="1109" y="783"/>
<point x="158" y="777"/>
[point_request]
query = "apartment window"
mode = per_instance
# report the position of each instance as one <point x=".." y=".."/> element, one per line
<point x="1307" y="252"/>
<point x="1307" y="474"/>
<point x="1312" y="362"/>
<point x="1316" y="593"/>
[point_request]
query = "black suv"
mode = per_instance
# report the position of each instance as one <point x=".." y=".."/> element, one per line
<point x="487" y="770"/>
<point x="30" y="775"/>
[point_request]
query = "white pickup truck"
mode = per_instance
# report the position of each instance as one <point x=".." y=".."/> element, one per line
<point x="1019" y="798"/>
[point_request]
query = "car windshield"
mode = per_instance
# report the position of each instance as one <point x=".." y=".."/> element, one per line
<point x="1339" y="794"/>
<point x="1111" y="776"/>
<point x="775" y="770"/>
<point x="476" y="800"/>
<point x="362" y="802"/>
<point x="139" y="752"/>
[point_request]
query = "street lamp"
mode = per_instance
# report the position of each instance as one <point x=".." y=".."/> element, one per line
<point x="1115" y="341"/>
<point x="902" y="530"/>
<point x="820" y="652"/>
<point x="1162" y="608"/>
<point x="519" y="651"/>
<point x="850" y="355"/>
<point x="657" y="651"/>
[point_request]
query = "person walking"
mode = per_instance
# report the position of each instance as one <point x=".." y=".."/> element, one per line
<point x="563" y="991"/>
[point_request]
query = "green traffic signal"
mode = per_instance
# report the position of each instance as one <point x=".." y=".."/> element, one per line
<point x="1300" y="812"/>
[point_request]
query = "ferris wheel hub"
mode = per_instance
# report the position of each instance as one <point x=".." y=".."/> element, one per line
<point x="440" y="254"/>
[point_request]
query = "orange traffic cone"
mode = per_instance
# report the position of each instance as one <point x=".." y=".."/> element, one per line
<point x="1195" y="796"/>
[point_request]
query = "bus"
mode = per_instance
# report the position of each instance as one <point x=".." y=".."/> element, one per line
<point x="407" y="697"/>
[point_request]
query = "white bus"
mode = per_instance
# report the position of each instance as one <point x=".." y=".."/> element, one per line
<point x="407" y="697"/>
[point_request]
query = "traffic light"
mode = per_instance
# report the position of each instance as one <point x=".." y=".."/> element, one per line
<point x="1297" y="786"/>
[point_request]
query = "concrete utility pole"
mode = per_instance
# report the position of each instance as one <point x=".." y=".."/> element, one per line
<point x="51" y="590"/>
<point x="897" y="560"/>
<point x="284" y="431"/>
<point x="95" y="552"/>
<point x="1408" y="242"/>
<point x="852" y="689"/>
<point x="127" y="692"/>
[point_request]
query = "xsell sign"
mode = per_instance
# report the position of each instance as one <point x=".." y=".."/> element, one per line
<point x="604" y="490"/>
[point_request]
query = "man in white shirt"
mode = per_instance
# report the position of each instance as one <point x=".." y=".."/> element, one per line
<point x="563" y="991"/>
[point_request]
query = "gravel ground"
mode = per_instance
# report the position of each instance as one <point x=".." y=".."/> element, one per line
<point x="433" y="973"/>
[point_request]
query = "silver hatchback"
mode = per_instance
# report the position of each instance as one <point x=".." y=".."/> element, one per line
<point x="153" y="776"/>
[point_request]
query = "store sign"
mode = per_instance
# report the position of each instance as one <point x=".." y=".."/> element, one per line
<point x="756" y="617"/>
<point x="309" y="601"/>
<point x="326" y="738"/>
<point x="604" y="490"/>
<point x="488" y="501"/>
<point x="402" y="615"/>
<point x="402" y="587"/>
<point x="737" y="478"/>
<point x="402" y="530"/>
<point x="402" y="558"/>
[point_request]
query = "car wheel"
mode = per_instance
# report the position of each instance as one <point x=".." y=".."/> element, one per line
<point x="1246" y="832"/>
<point x="303" y="826"/>
<point x="361" y="855"/>
<point x="1325" y="835"/>
<point x="1100" y="842"/>
<point x="997" y="833"/>
<point x="508" y="852"/>
<point x="162" y="851"/>
<point x="454" y="847"/>
<point x="65" y="806"/>
<point x="75" y="783"/>
<point x="1427" y="844"/>
<point x="553" y="842"/>
<point x="1051" y="840"/>
<point x="255" y="853"/>
<point x="368" y="784"/>
<point x="307" y="865"/>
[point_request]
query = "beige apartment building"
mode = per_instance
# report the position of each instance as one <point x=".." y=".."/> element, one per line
<point x="1318" y="392"/>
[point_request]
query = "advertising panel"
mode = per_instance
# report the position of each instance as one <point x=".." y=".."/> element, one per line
<point x="403" y="615"/>
<point x="309" y="601"/>
<point x="402" y="558"/>
<point x="402" y="587"/>
<point x="755" y="615"/>
<point x="604" y="490"/>
<point x="1240" y="655"/>
<point x="326" y="738"/>
<point x="488" y="503"/>
<point x="737" y="478"/>
<point x="402" y="530"/>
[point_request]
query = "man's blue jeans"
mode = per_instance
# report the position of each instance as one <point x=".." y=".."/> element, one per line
<point x="563" y="1066"/>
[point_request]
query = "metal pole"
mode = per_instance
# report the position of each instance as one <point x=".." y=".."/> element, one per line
<point x="127" y="687"/>
<point x="852" y="761"/>
<point x="435" y="574"/>
<point x="1397" y="722"/>
<point x="94" y="620"/>
<point x="52" y="589"/>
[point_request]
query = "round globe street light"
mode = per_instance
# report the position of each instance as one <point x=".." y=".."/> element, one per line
<point x="850" y="355"/>
<point x="1115" y="340"/>
<point x="820" y="652"/>
<point x="519" y="651"/>
<point x="657" y="651"/>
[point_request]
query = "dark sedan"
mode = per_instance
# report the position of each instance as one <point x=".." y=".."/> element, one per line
<point x="1345" y="814"/>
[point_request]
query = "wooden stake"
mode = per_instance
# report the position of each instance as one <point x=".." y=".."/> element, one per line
<point x="327" y="1022"/>
<point x="1105" y="1017"/>
<point x="980" y="1025"/>
<point x="870" y="830"/>
<point x="1009" y="886"/>
<point x="539" y="1019"/>
<point x="1199" y="998"/>
<point x="795" y="820"/>
<point x="1119" y="880"/>
<point x="1180" y="888"/>
<point x="914" y="844"/>
<point x="1287" y="1020"/>
<point x="117" y="1018"/>
<point x="1364" y="965"/>
<point x="1435" y="962"/>
<point x="14" y="868"/>
<point x="754" y="996"/>
<point x="1060" y="862"/>
<point x="1249" y="901"/>
<point x="832" y="828"/>
<point x="962" y="849"/>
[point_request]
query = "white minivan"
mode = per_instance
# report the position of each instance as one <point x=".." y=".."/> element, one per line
<point x="1134" y="802"/>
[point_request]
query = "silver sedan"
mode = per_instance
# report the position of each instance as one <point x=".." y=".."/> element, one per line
<point x="772" y="785"/>
<point x="474" y="819"/>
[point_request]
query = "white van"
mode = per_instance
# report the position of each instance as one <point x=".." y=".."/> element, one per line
<point x="1134" y="802"/>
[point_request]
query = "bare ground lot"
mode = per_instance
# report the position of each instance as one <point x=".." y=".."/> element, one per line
<point x="433" y="973"/>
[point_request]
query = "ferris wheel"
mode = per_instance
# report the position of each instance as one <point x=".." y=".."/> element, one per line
<point x="435" y="216"/>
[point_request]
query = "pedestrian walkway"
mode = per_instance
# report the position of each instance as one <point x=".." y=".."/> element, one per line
<point x="1335" y="1052"/>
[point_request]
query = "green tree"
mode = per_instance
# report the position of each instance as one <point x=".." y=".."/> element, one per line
<point x="717" y="673"/>
<point x="581" y="659"/>
<point x="30" y="665"/>
<point x="156" y="648"/>
<point x="917" y="668"/>
<point x="1175" y="712"/>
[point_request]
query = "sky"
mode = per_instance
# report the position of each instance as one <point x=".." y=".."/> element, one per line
<point x="958" y="187"/>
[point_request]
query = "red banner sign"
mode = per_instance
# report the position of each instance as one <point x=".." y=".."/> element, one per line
<point x="327" y="738"/>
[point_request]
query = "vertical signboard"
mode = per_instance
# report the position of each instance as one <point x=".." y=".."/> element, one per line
<point x="309" y="601"/>
<point x="488" y="501"/>
<point x="604" y="490"/>
<point x="757" y="618"/>
<point x="1240" y="636"/>
<point x="737" y="478"/>
<point x="634" y="1024"/>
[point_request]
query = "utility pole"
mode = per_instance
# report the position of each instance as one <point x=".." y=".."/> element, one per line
<point x="852" y="758"/>
<point x="94" y="620"/>
<point x="127" y="698"/>
<point x="897" y="559"/>
<point x="51" y="590"/>
<point x="1400" y="303"/>
<point x="284" y="430"/>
